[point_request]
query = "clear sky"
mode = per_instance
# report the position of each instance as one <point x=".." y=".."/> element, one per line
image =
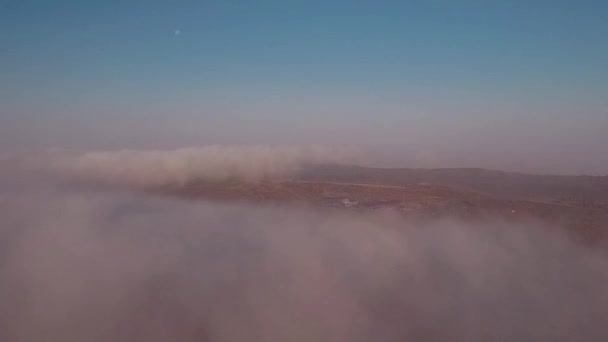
<point x="519" y="85"/>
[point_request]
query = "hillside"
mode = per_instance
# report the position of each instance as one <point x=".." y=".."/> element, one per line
<point x="591" y="190"/>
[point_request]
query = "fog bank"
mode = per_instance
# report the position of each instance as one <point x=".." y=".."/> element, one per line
<point x="84" y="265"/>
<point x="147" y="168"/>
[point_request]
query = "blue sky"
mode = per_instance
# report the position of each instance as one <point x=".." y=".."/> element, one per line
<point x="467" y="78"/>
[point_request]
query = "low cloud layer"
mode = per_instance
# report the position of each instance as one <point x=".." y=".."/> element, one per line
<point x="143" y="168"/>
<point x="97" y="265"/>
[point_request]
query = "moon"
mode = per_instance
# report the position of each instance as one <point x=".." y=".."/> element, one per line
<point x="177" y="32"/>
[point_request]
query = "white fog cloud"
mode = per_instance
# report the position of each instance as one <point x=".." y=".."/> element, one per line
<point x="179" y="166"/>
<point x="80" y="265"/>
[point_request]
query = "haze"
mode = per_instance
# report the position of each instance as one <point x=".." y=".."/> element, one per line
<point x="226" y="171"/>
<point x="512" y="85"/>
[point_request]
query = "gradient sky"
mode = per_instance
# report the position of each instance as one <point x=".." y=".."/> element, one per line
<point x="517" y="85"/>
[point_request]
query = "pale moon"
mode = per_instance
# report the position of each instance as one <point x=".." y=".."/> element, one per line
<point x="178" y="32"/>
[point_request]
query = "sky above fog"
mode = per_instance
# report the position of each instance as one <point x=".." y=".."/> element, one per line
<point x="515" y="85"/>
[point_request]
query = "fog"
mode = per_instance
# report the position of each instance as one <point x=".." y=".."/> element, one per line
<point x="153" y="168"/>
<point x="180" y="166"/>
<point x="149" y="152"/>
<point x="108" y="264"/>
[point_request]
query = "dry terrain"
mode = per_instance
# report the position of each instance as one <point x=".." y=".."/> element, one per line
<point x="578" y="203"/>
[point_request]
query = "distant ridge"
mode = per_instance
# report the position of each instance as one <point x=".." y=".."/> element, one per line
<point x="496" y="183"/>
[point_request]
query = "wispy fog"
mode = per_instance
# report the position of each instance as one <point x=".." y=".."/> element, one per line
<point x="112" y="265"/>
<point x="148" y="168"/>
